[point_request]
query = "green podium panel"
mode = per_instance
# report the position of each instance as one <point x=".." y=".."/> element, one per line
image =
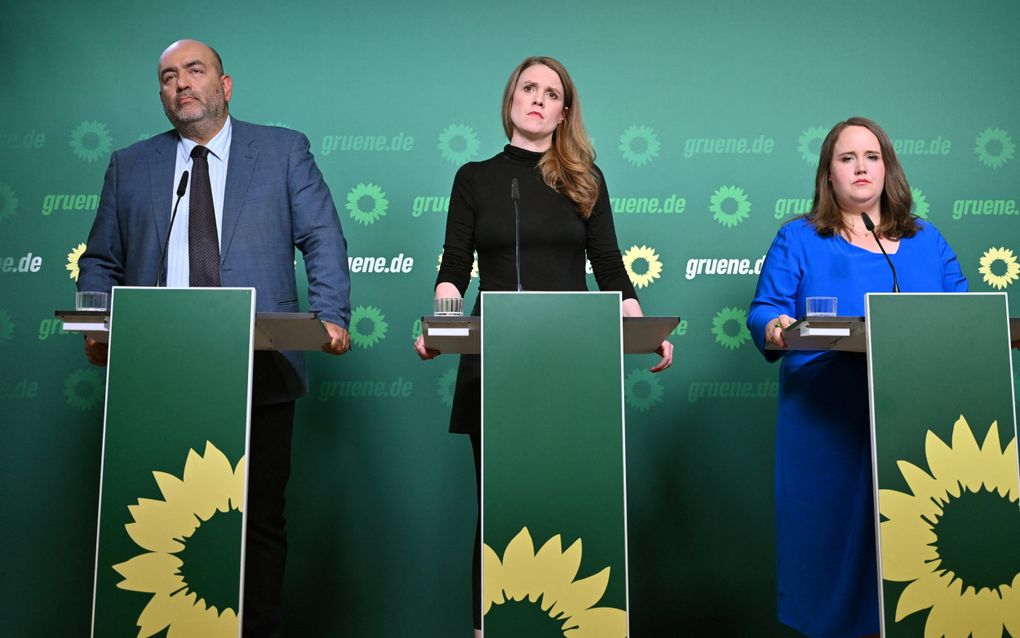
<point x="554" y="528"/>
<point x="170" y="538"/>
<point x="946" y="469"/>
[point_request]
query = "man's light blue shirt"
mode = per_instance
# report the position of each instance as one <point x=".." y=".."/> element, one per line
<point x="177" y="265"/>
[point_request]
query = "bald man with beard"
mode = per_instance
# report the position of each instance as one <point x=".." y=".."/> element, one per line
<point x="268" y="199"/>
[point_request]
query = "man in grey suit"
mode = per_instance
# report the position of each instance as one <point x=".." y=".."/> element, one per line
<point x="254" y="195"/>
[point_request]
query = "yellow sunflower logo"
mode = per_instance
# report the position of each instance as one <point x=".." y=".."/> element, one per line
<point x="546" y="578"/>
<point x="652" y="266"/>
<point x="954" y="538"/>
<point x="72" y="260"/>
<point x="1010" y="269"/>
<point x="210" y="489"/>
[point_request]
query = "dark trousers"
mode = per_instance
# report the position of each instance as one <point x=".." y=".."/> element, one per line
<point x="266" y="544"/>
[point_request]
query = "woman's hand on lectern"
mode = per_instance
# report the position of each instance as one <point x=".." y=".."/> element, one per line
<point x="665" y="350"/>
<point x="423" y="352"/>
<point x="774" y="330"/>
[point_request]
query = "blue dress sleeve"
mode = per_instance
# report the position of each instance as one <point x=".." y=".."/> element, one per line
<point x="952" y="277"/>
<point x="778" y="283"/>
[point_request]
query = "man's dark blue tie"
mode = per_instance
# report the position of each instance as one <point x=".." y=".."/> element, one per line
<point x="203" y="241"/>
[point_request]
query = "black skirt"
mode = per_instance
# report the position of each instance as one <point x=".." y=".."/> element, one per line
<point x="466" y="415"/>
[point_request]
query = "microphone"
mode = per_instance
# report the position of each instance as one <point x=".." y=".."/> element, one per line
<point x="871" y="227"/>
<point x="181" y="188"/>
<point x="515" y="194"/>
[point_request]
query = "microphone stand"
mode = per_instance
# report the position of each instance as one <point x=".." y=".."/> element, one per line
<point x="515" y="195"/>
<point x="871" y="227"/>
<point x="181" y="188"/>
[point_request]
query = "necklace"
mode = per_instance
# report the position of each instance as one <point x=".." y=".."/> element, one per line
<point x="853" y="226"/>
<point x="853" y="229"/>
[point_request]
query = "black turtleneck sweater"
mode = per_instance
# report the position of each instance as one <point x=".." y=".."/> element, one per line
<point x="554" y="237"/>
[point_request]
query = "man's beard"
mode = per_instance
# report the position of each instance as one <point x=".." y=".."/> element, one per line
<point x="198" y="121"/>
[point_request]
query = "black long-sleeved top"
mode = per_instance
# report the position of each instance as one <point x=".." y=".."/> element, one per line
<point x="554" y="237"/>
<point x="554" y="242"/>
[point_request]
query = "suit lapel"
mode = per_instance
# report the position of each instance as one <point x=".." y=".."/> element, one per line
<point x="162" y="162"/>
<point x="241" y="166"/>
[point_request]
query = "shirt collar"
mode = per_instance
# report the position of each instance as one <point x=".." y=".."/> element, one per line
<point x="218" y="146"/>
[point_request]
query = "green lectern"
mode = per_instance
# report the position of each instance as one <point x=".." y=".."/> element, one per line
<point x="554" y="522"/>
<point x="944" y="446"/>
<point x="945" y="464"/>
<point x="554" y="529"/>
<point x="170" y="543"/>
<point x="170" y="539"/>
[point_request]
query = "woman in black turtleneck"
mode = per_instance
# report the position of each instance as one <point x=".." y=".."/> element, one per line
<point x="564" y="217"/>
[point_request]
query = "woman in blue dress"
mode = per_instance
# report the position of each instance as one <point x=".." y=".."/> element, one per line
<point x="825" y="520"/>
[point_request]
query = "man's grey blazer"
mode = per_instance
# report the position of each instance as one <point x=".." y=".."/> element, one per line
<point x="275" y="199"/>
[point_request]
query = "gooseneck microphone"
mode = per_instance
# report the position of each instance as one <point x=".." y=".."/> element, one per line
<point x="515" y="194"/>
<point x="181" y="189"/>
<point x="871" y="227"/>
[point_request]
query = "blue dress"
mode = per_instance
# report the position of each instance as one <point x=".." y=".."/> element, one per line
<point x="825" y="522"/>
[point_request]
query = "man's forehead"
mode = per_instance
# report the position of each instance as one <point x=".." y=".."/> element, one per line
<point x="184" y="53"/>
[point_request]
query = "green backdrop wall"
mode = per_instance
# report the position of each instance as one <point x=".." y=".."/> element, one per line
<point x="709" y="113"/>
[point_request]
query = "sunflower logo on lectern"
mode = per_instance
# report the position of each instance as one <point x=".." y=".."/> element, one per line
<point x="954" y="538"/>
<point x="546" y="580"/>
<point x="210" y="489"/>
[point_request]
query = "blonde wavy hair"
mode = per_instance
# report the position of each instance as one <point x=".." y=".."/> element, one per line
<point x="569" y="164"/>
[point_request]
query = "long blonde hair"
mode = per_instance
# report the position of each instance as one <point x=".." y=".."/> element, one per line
<point x="569" y="164"/>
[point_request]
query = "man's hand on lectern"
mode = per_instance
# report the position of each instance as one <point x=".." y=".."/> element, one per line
<point x="339" y="339"/>
<point x="96" y="352"/>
